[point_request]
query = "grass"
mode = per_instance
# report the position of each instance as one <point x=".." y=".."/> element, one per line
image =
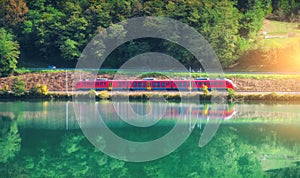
<point x="278" y="29"/>
<point x="176" y="74"/>
<point x="26" y="71"/>
<point x="269" y="44"/>
<point x="273" y="27"/>
<point x="210" y="75"/>
<point x="264" y="76"/>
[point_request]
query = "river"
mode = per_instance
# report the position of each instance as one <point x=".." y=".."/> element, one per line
<point x="148" y="139"/>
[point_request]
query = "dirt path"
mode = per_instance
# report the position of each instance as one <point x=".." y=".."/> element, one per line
<point x="57" y="82"/>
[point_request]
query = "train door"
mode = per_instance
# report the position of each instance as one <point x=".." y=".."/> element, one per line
<point x="190" y="85"/>
<point x="148" y="86"/>
<point x="110" y="85"/>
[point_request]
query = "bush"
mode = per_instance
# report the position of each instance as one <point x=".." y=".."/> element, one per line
<point x="231" y="92"/>
<point x="103" y="94"/>
<point x="5" y="89"/>
<point x="205" y="90"/>
<point x="39" y="90"/>
<point x="92" y="94"/>
<point x="18" y="87"/>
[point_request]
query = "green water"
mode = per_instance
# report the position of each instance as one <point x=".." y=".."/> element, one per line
<point x="44" y="139"/>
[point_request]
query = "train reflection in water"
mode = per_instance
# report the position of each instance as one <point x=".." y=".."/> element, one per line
<point x="61" y="115"/>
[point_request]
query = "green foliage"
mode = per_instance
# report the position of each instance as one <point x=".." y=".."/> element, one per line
<point x="285" y="9"/>
<point x="39" y="90"/>
<point x="18" y="87"/>
<point x="69" y="49"/>
<point x="253" y="13"/>
<point x="10" y="141"/>
<point x="9" y="53"/>
<point x="151" y="74"/>
<point x="61" y="29"/>
<point x="231" y="92"/>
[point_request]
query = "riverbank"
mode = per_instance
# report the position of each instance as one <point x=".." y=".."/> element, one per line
<point x="256" y="84"/>
<point x="158" y="96"/>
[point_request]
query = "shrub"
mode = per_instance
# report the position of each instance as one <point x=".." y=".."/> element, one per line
<point x="205" y="90"/>
<point x="92" y="93"/>
<point x="231" y="92"/>
<point x="39" y="90"/>
<point x="18" y="87"/>
<point x="103" y="94"/>
<point x="5" y="89"/>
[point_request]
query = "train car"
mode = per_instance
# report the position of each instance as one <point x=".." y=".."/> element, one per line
<point x="98" y="84"/>
<point x="151" y="84"/>
<point x="214" y="84"/>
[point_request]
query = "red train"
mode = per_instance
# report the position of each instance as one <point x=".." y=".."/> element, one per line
<point x="151" y="84"/>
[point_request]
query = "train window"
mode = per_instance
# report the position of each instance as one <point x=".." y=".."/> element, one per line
<point x="184" y="84"/>
<point x="134" y="84"/>
<point x="97" y="83"/>
<point x="167" y="83"/>
<point x="140" y="84"/>
<point x="163" y="84"/>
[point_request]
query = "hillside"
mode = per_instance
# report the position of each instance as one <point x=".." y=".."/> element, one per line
<point x="276" y="49"/>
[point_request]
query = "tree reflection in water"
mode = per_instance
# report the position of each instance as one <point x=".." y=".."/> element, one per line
<point x="9" y="137"/>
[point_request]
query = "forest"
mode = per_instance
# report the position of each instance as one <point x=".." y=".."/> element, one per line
<point x="56" y="32"/>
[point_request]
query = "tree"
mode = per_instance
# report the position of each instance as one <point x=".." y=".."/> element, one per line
<point x="13" y="12"/>
<point x="252" y="15"/>
<point x="9" y="53"/>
